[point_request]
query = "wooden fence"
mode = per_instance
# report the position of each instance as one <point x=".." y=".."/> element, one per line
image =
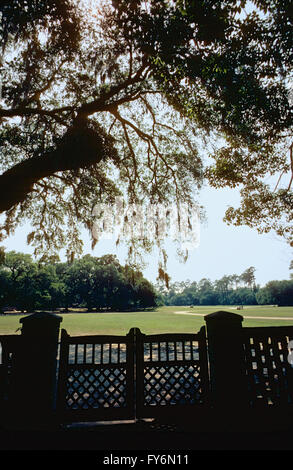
<point x="222" y="367"/>
<point x="269" y="374"/>
<point x="132" y="376"/>
<point x="96" y="378"/>
<point x="171" y="372"/>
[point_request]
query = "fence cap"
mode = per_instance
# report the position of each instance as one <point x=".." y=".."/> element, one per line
<point x="222" y="315"/>
<point x="43" y="316"/>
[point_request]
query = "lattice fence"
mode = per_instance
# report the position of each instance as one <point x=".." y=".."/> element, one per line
<point x="171" y="370"/>
<point x="96" y="377"/>
<point x="111" y="377"/>
<point x="269" y="374"/>
<point x="170" y="385"/>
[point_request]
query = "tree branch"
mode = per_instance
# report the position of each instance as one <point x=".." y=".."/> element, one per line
<point x="100" y="103"/>
<point x="78" y="148"/>
<point x="23" y="111"/>
<point x="291" y="164"/>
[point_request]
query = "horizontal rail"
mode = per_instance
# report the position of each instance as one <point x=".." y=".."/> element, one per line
<point x="171" y="337"/>
<point x="171" y="363"/>
<point x="104" y="366"/>
<point x="108" y="339"/>
<point x="265" y="331"/>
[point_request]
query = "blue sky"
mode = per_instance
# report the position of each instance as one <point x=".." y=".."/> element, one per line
<point x="222" y="249"/>
<point x="227" y="249"/>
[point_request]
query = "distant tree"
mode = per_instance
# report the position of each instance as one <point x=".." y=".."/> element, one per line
<point x="4" y="288"/>
<point x="103" y="283"/>
<point x="181" y="299"/>
<point x="160" y="299"/>
<point x="244" y="296"/>
<point x="80" y="282"/>
<point x="20" y="288"/>
<point x="208" y="298"/>
<point x="205" y="285"/>
<point x="265" y="297"/>
<point x="220" y="291"/>
<point x="145" y="294"/>
<point x="277" y="292"/>
<point x="192" y="293"/>
<point x="95" y="283"/>
<point x="108" y="260"/>
<point x="223" y="286"/>
<point x="49" y="289"/>
<point x="17" y="264"/>
<point x="235" y="279"/>
<point x="248" y="277"/>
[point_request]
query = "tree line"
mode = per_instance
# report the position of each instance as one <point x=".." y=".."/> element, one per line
<point x="104" y="284"/>
<point x="229" y="290"/>
<point x="90" y="282"/>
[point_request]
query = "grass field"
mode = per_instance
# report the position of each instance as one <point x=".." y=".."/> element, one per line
<point x="163" y="320"/>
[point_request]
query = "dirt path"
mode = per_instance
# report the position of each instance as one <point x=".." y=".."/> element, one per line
<point x="246" y="317"/>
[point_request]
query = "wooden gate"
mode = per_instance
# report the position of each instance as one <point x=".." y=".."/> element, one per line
<point x="171" y="374"/>
<point x="96" y="378"/>
<point x="132" y="376"/>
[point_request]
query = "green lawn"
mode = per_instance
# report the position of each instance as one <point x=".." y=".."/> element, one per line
<point x="163" y="320"/>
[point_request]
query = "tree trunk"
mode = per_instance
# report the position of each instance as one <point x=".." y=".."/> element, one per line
<point x="80" y="147"/>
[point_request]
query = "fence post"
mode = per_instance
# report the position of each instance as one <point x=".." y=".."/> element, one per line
<point x="226" y="358"/>
<point x="34" y="370"/>
<point x="139" y="373"/>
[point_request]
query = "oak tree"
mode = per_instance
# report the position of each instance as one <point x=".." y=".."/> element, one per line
<point x="143" y="100"/>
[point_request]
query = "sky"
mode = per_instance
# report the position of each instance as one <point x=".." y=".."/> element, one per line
<point x="222" y="249"/>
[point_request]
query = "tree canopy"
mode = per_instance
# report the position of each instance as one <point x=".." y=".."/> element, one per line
<point x="90" y="282"/>
<point x="145" y="100"/>
<point x="229" y="290"/>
